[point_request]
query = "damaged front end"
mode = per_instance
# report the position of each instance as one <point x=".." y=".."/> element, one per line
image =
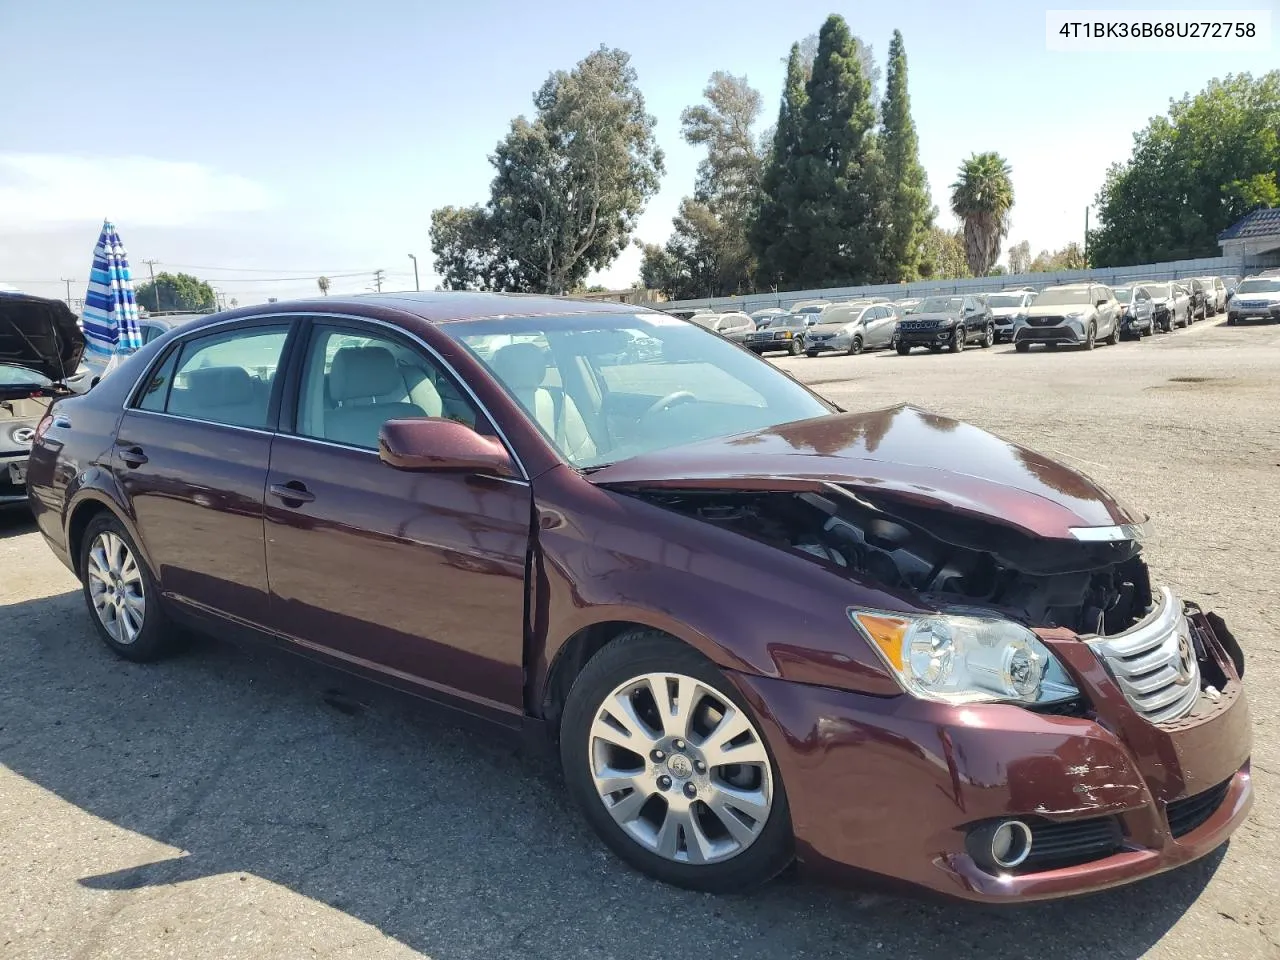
<point x="1087" y="586"/>
<point x="1093" y="586"/>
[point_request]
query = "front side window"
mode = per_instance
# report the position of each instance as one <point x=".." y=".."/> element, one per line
<point x="598" y="399"/>
<point x="227" y="377"/>
<point x="354" y="381"/>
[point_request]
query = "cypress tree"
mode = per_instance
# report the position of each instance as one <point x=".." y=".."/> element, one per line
<point x="773" y="236"/>
<point x="836" y="205"/>
<point x="909" y="208"/>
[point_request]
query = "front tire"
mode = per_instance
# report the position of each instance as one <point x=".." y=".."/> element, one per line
<point x="855" y="346"/>
<point x="957" y="339"/>
<point x="644" y="741"/>
<point x="1091" y="337"/>
<point x="903" y="349"/>
<point x="1022" y="347"/>
<point x="795" y="348"/>
<point x="122" y="596"/>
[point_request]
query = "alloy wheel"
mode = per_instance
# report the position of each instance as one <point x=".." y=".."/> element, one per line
<point x="116" y="587"/>
<point x="855" y="347"/>
<point x="680" y="768"/>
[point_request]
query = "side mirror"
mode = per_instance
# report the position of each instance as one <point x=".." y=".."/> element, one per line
<point x="433" y="444"/>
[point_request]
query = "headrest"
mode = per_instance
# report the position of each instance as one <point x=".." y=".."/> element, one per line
<point x="363" y="372"/>
<point x="521" y="366"/>
<point x="220" y="386"/>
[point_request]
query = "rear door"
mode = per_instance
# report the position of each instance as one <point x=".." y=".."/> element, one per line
<point x="419" y="576"/>
<point x="191" y="457"/>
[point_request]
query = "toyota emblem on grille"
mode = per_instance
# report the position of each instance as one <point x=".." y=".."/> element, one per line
<point x="23" y="435"/>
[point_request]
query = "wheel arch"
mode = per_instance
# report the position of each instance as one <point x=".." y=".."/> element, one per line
<point x="576" y="651"/>
<point x="82" y="513"/>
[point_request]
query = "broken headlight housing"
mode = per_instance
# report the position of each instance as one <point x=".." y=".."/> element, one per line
<point x="963" y="658"/>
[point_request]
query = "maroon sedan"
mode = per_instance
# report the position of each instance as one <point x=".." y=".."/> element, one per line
<point x="758" y="627"/>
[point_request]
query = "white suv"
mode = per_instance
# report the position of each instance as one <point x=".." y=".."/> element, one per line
<point x="1075" y="314"/>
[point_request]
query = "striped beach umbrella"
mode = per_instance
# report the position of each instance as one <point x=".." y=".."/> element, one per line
<point x="110" y="313"/>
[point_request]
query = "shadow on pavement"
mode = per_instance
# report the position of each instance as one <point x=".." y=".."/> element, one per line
<point x="16" y="521"/>
<point x="448" y="841"/>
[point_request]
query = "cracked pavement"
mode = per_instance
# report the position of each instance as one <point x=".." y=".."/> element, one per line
<point x="218" y="804"/>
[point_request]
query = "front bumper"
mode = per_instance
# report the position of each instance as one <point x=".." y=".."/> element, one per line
<point x="889" y="788"/>
<point x="763" y="346"/>
<point x="831" y="345"/>
<point x="1062" y="333"/>
<point x="934" y="337"/>
<point x="1236" y="313"/>
<point x="12" y="494"/>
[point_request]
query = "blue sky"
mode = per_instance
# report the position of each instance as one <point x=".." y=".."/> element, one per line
<point x="284" y="140"/>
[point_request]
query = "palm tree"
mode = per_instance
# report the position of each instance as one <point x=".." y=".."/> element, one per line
<point x="323" y="284"/>
<point x="982" y="199"/>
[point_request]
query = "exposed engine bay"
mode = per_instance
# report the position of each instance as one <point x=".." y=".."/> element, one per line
<point x="944" y="558"/>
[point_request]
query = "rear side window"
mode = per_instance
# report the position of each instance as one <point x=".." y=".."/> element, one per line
<point x="155" y="393"/>
<point x="227" y="378"/>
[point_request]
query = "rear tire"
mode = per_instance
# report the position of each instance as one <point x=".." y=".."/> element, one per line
<point x="1114" y="337"/>
<point x="122" y="596"/>
<point x="635" y="656"/>
<point x="988" y="338"/>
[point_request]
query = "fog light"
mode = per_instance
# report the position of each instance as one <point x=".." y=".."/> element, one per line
<point x="1000" y="845"/>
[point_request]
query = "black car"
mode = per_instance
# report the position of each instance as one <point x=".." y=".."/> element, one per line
<point x="948" y="321"/>
<point x="1199" y="301"/>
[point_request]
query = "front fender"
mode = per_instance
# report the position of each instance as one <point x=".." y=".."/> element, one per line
<point x="606" y="557"/>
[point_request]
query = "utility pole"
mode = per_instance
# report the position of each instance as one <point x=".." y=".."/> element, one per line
<point x="1086" y="236"/>
<point x="68" y="283"/>
<point x="155" y="294"/>
<point x="377" y="280"/>
<point x="415" y="272"/>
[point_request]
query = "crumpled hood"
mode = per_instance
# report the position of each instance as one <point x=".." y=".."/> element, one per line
<point x="39" y="334"/>
<point x="903" y="454"/>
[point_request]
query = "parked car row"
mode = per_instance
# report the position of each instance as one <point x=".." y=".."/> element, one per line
<point x="1074" y="314"/>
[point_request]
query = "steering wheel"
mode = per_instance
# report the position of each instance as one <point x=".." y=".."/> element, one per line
<point x="667" y="402"/>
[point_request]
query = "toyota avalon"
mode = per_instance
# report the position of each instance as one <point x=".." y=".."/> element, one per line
<point x="961" y="676"/>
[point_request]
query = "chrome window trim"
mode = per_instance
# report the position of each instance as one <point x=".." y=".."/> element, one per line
<point x="295" y="315"/>
<point x="1113" y="534"/>
<point x="208" y="423"/>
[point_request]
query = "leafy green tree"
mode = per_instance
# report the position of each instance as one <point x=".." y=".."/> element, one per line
<point x="710" y="244"/>
<point x="982" y="197"/>
<point x="774" y="237"/>
<point x="910" y="208"/>
<point x="837" y="205"/>
<point x="175" y="291"/>
<point x="1070" y="257"/>
<point x="1213" y="159"/>
<point x="1019" y="257"/>
<point x="944" y="257"/>
<point x="569" y="186"/>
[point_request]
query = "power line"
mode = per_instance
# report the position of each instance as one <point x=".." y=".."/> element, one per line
<point x="345" y="270"/>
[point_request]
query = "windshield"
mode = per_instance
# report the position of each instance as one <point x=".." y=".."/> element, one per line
<point x="940" y="305"/>
<point x="1123" y="295"/>
<point x="791" y="320"/>
<point x="816" y="308"/>
<point x="1259" y="285"/>
<point x="618" y="402"/>
<point x="1053" y="297"/>
<point x="707" y="320"/>
<point x="1157" y="291"/>
<point x="11" y="376"/>
<point x="1005" y="299"/>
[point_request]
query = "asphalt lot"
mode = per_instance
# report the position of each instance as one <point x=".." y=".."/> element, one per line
<point x="220" y="805"/>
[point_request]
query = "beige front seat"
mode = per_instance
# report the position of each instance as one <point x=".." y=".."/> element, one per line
<point x="522" y="367"/>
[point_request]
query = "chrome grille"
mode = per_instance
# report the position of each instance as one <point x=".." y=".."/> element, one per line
<point x="1154" y="663"/>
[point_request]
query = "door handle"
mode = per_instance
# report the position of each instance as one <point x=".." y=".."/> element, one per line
<point x="133" y="456"/>
<point x="292" y="493"/>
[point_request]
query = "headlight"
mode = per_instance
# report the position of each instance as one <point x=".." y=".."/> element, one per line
<point x="965" y="659"/>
